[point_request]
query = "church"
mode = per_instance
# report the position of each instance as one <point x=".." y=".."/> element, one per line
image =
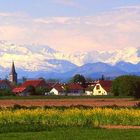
<point x="13" y="74"/>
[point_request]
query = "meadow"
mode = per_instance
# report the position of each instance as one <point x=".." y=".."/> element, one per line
<point x="39" y="119"/>
<point x="74" y="133"/>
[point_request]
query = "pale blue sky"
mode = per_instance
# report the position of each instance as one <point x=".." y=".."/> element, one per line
<point x="48" y="8"/>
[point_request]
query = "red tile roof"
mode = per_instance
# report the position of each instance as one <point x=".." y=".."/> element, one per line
<point x="34" y="83"/>
<point x="75" y="86"/>
<point x="106" y="84"/>
<point x="58" y="87"/>
<point x="18" y="89"/>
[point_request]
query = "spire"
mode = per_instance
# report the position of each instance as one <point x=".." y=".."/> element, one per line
<point x="13" y="74"/>
<point x="13" y="71"/>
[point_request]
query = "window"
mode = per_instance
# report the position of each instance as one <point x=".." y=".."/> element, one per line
<point x="98" y="87"/>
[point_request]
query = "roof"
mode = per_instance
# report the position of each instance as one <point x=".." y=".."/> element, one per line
<point x="50" y="84"/>
<point x="34" y="83"/>
<point x="106" y="84"/>
<point x="58" y="87"/>
<point x="18" y="89"/>
<point x="75" y="86"/>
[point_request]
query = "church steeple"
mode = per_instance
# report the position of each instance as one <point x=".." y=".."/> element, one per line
<point x="13" y="74"/>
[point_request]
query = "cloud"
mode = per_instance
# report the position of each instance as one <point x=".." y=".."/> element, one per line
<point x="117" y="29"/>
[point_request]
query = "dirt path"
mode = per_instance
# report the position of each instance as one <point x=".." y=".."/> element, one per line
<point x="120" y="127"/>
<point x="68" y="102"/>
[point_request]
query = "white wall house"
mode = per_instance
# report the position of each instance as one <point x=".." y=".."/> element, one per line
<point x="55" y="91"/>
<point x="97" y="90"/>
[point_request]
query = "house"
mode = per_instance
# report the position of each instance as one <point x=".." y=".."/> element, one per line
<point x="75" y="89"/>
<point x="72" y="89"/>
<point x="4" y="84"/>
<point x="101" y="87"/>
<point x="57" y="89"/>
<point x="22" y="89"/>
<point x="35" y="83"/>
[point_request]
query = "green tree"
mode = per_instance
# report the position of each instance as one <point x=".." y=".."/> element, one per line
<point x="126" y="86"/>
<point x="6" y="92"/>
<point x="41" y="91"/>
<point x="31" y="90"/>
<point x="78" y="79"/>
<point x="66" y="90"/>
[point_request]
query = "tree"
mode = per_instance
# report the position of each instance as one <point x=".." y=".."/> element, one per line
<point x="41" y="91"/>
<point x="126" y="86"/>
<point x="66" y="90"/>
<point x="6" y="92"/>
<point x="31" y="90"/>
<point x="78" y="79"/>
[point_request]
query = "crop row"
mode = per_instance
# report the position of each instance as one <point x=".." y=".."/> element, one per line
<point x="71" y="117"/>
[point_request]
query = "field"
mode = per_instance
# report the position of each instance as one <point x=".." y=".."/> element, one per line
<point x="42" y="118"/>
<point x="72" y="118"/>
<point x="68" y="101"/>
<point x="74" y="133"/>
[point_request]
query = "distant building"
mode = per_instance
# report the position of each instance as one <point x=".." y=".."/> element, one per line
<point x="13" y="75"/>
<point x="22" y="90"/>
<point x="73" y="89"/>
<point x="101" y="87"/>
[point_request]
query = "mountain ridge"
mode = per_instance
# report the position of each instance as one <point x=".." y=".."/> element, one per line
<point x="40" y="60"/>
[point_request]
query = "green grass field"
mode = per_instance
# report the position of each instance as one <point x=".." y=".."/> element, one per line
<point x="74" y="133"/>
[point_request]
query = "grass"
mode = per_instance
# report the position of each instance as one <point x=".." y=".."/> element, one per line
<point x="74" y="133"/>
<point x="60" y="97"/>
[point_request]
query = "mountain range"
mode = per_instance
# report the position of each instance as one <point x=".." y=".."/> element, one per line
<point x="34" y="61"/>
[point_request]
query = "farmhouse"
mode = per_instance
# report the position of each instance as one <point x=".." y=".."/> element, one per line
<point x="101" y="87"/>
<point x="70" y="89"/>
<point x="23" y="89"/>
<point x="75" y="89"/>
<point x="57" y="89"/>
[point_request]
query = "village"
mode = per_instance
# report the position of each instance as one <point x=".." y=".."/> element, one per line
<point x="42" y="87"/>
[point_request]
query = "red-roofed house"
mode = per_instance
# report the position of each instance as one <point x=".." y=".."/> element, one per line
<point x="57" y="89"/>
<point x="72" y="89"/>
<point x="75" y="89"/>
<point x="22" y="90"/>
<point x="34" y="83"/>
<point x="101" y="87"/>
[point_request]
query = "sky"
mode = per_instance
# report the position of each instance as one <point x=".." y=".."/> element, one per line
<point x="71" y="25"/>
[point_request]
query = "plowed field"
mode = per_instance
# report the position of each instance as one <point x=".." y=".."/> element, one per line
<point x="69" y="102"/>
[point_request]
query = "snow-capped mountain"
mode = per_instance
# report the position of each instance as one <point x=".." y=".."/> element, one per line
<point x="41" y="58"/>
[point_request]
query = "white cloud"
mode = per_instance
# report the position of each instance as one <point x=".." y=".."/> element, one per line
<point x="111" y="30"/>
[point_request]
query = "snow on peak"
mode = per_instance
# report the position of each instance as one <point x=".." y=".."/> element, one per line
<point x="37" y="57"/>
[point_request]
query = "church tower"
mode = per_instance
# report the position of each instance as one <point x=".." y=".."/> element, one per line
<point x="13" y="75"/>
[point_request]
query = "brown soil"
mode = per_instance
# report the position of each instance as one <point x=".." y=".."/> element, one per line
<point x="68" y="102"/>
<point x="120" y="127"/>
